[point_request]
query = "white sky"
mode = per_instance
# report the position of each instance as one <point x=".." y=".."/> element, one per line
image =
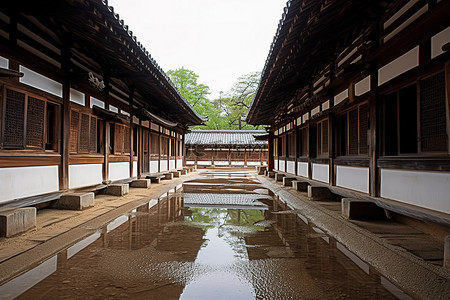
<point x="219" y="40"/>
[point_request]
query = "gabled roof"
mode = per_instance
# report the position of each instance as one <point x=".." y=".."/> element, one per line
<point x="225" y="137"/>
<point x="96" y="37"/>
<point x="309" y="36"/>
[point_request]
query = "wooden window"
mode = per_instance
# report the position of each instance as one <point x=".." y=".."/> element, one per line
<point x="164" y="147"/>
<point x="120" y="139"/>
<point x="302" y="142"/>
<point x="84" y="133"/>
<point x="415" y="118"/>
<point x="281" y="146"/>
<point x="28" y="122"/>
<point x="154" y="145"/>
<point x="172" y="147"/>
<point x="290" y="145"/>
<point x="135" y="141"/>
<point x="322" y="138"/>
<point x="353" y="126"/>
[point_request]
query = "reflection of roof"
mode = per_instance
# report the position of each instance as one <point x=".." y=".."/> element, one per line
<point x="226" y="200"/>
<point x="225" y="137"/>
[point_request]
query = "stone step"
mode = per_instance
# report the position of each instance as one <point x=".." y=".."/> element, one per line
<point x="75" y="201"/>
<point x="357" y="209"/>
<point x="301" y="186"/>
<point x="319" y="192"/>
<point x="17" y="220"/>
<point x="287" y="181"/>
<point x="117" y="189"/>
<point x="141" y="183"/>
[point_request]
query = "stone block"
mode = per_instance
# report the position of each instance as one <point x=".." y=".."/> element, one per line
<point x="75" y="201"/>
<point x="279" y="177"/>
<point x="176" y="174"/>
<point x="319" y="192"/>
<point x="261" y="170"/>
<point x="287" y="181"/>
<point x="17" y="220"/>
<point x="183" y="172"/>
<point x="356" y="209"/>
<point x="117" y="189"/>
<point x="447" y="252"/>
<point x="155" y="178"/>
<point x="271" y="174"/>
<point x="141" y="183"/>
<point x="168" y="175"/>
<point x="301" y="186"/>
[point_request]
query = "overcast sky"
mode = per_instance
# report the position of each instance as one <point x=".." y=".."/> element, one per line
<point x="219" y="40"/>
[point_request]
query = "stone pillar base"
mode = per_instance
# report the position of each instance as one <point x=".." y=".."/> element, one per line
<point x="75" y="201"/>
<point x="17" y="220"/>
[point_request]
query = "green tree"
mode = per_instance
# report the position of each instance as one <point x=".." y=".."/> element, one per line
<point x="197" y="95"/>
<point x="239" y="98"/>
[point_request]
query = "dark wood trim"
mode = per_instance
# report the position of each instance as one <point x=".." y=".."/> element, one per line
<point x="29" y="161"/>
<point x="86" y="159"/>
<point x="352" y="161"/>
<point x="320" y="160"/>
<point x="415" y="163"/>
<point x="119" y="158"/>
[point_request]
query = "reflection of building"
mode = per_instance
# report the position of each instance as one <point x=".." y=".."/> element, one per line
<point x="81" y="100"/>
<point x="226" y="148"/>
<point x="357" y="96"/>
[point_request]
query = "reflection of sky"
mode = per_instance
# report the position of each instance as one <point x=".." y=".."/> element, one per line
<point x="219" y="253"/>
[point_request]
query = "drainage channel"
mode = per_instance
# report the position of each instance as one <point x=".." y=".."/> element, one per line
<point x="223" y="236"/>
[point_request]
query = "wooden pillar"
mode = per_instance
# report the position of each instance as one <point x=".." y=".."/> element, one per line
<point x="131" y="100"/>
<point x="65" y="123"/>
<point x="373" y="138"/>
<point x="270" y="161"/>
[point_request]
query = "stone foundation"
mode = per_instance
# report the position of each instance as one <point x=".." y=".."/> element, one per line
<point x="18" y="220"/>
<point x="75" y="201"/>
<point x="117" y="189"/>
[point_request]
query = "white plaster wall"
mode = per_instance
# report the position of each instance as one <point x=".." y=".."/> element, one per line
<point x="118" y="170"/>
<point x="135" y="168"/>
<point x="353" y="178"/>
<point x="163" y="165"/>
<point x="281" y="166"/>
<point x="172" y="164"/>
<point x="221" y="162"/>
<point x="425" y="189"/>
<point x="253" y="163"/>
<point x="362" y="86"/>
<point x="41" y="82"/>
<point x="237" y="163"/>
<point x="275" y="164"/>
<point x="204" y="162"/>
<point x="398" y="66"/>
<point x="291" y="167"/>
<point x="179" y="163"/>
<point x="85" y="175"/>
<point x="154" y="166"/>
<point x="23" y="182"/>
<point x="320" y="172"/>
<point x="190" y="162"/>
<point x="438" y="41"/>
<point x="302" y="169"/>
<point x="4" y="62"/>
<point x="77" y="97"/>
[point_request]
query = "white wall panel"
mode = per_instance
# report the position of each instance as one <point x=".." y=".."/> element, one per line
<point x="154" y="164"/>
<point x="4" y="62"/>
<point x="221" y="162"/>
<point x="85" y="175"/>
<point x="163" y="165"/>
<point x="204" y="162"/>
<point x="291" y="167"/>
<point x="353" y="178"/>
<point x="41" y="82"/>
<point x="438" y="41"/>
<point x="253" y="163"/>
<point x="281" y="166"/>
<point x="402" y="64"/>
<point x="135" y="168"/>
<point x="425" y="189"/>
<point x="179" y="163"/>
<point x="302" y="169"/>
<point x="275" y="164"/>
<point x="27" y="181"/>
<point x="172" y="164"/>
<point x="190" y="162"/>
<point x="118" y="170"/>
<point x="320" y="172"/>
<point x="237" y="163"/>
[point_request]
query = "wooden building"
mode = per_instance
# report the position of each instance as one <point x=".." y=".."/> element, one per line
<point x="357" y="94"/>
<point x="226" y="148"/>
<point x="81" y="100"/>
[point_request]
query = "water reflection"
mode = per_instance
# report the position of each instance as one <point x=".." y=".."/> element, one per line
<point x="171" y="248"/>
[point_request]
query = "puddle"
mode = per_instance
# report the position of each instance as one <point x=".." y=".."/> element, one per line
<point x="205" y="243"/>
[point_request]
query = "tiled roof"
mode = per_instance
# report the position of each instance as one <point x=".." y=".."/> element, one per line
<point x="225" y="137"/>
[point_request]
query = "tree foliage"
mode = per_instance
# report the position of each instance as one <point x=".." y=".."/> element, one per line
<point x="225" y="112"/>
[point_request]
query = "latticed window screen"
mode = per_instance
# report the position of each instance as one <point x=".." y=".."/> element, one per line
<point x="74" y="128"/>
<point x="325" y="136"/>
<point x="363" y="127"/>
<point x="154" y="144"/>
<point x="118" y="139"/>
<point x="35" y="123"/>
<point x="13" y="131"/>
<point x="127" y="140"/>
<point x="432" y="114"/>
<point x="93" y="135"/>
<point x="353" y="144"/>
<point x="84" y="134"/>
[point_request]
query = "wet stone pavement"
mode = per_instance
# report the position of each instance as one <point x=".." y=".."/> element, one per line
<point x="223" y="236"/>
